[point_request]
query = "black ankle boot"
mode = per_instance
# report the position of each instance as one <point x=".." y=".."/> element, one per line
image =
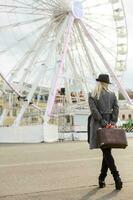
<point x="101" y="183"/>
<point x="117" y="179"/>
<point x="118" y="183"/>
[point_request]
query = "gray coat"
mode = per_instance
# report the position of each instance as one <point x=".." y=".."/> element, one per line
<point x="103" y="111"/>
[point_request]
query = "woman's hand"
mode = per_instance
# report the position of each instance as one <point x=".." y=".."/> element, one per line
<point x="110" y="126"/>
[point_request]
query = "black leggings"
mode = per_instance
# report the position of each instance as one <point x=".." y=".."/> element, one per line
<point x="108" y="163"/>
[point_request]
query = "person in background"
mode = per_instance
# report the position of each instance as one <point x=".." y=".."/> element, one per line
<point x="104" y="112"/>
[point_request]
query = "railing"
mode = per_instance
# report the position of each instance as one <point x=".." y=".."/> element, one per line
<point x="128" y="127"/>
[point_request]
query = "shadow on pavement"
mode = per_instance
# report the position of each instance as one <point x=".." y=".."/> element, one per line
<point x="108" y="196"/>
<point x="90" y="194"/>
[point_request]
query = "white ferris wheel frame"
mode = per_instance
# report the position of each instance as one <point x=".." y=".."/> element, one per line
<point x="75" y="15"/>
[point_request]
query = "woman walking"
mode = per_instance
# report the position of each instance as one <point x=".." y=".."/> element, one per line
<point x="104" y="111"/>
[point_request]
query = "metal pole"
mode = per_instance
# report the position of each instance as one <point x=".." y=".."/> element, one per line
<point x="91" y="67"/>
<point x="29" y="97"/>
<point x="59" y="71"/>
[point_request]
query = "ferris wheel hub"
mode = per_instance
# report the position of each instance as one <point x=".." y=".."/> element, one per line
<point x="77" y="9"/>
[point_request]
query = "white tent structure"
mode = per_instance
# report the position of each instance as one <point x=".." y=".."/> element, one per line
<point x="58" y="42"/>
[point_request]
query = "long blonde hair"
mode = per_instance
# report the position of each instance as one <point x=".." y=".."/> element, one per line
<point x="100" y="86"/>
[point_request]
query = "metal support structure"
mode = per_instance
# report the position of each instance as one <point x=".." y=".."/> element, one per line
<point x="29" y="53"/>
<point x="41" y="73"/>
<point x="80" y="63"/>
<point x="36" y="52"/>
<point x="6" y="110"/>
<point x="92" y="69"/>
<point x="29" y="97"/>
<point x="109" y="69"/>
<point x="39" y="45"/>
<point x="76" y="74"/>
<point x="59" y="72"/>
<point x="52" y="45"/>
<point x="3" y="116"/>
<point x="18" y="68"/>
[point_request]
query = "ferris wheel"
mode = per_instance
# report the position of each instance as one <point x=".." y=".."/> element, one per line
<point x="47" y="43"/>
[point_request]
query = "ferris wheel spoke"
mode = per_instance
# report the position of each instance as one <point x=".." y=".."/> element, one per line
<point x="78" y="40"/>
<point x="55" y="3"/>
<point x="91" y="66"/>
<point x="104" y="16"/>
<point x="47" y="4"/>
<point x="106" y="63"/>
<point x="75" y="73"/>
<point x="44" y="10"/>
<point x="22" y="13"/>
<point x="26" y="4"/>
<point x="27" y="55"/>
<point x="103" y="46"/>
<point x="6" y="6"/>
<point x="97" y="68"/>
<point x="75" y="77"/>
<point x="100" y="31"/>
<point x="30" y="66"/>
<point x="84" y="51"/>
<point x="96" y="17"/>
<point x="10" y="9"/>
<point x="99" y="34"/>
<point x="76" y="49"/>
<point x="72" y="65"/>
<point x="21" y="23"/>
<point x="38" y="46"/>
<point x="58" y="2"/>
<point x="98" y="5"/>
<point x="92" y="2"/>
<point x="79" y="58"/>
<point x="44" y="3"/>
<point x="22" y="39"/>
<point x="98" y="23"/>
<point x="30" y="9"/>
<point x="32" y="33"/>
<point x="39" y="3"/>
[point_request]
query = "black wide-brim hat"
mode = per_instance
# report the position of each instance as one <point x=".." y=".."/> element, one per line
<point x="103" y="78"/>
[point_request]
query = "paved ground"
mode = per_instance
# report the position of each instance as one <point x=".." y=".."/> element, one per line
<point x="60" y="171"/>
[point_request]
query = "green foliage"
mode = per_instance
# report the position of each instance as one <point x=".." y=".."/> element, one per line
<point x="128" y="126"/>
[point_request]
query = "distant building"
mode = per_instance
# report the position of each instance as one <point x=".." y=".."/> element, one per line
<point x="126" y="113"/>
